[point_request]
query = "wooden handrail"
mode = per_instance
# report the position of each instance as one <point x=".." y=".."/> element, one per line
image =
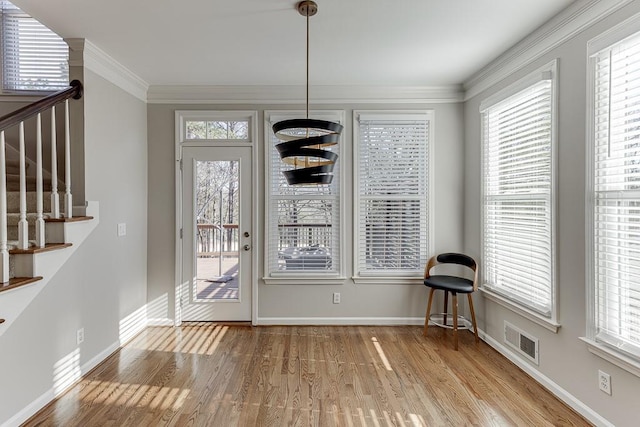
<point x="74" y="91"/>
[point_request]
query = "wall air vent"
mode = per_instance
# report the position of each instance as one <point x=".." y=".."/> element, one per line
<point x="521" y="342"/>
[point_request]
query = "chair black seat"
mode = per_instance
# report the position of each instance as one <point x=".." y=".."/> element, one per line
<point x="450" y="283"/>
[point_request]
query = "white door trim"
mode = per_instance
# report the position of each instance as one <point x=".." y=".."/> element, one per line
<point x="181" y="116"/>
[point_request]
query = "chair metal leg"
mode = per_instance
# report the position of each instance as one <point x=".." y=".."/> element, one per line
<point x="473" y="317"/>
<point x="454" y="303"/>
<point x="426" y="319"/>
<point x="445" y="310"/>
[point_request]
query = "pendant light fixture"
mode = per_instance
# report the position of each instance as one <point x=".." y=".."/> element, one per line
<point x="304" y="141"/>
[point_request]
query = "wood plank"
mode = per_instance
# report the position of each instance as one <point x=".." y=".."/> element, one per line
<point x="214" y="374"/>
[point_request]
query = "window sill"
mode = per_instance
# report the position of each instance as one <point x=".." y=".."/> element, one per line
<point x="610" y="355"/>
<point x="389" y="280"/>
<point x="304" y="280"/>
<point x="527" y="314"/>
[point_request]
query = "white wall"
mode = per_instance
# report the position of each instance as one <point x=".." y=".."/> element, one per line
<point x="563" y="357"/>
<point x="105" y="280"/>
<point x="294" y="302"/>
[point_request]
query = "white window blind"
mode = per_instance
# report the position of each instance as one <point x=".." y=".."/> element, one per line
<point x="303" y="221"/>
<point x="616" y="196"/>
<point x="517" y="207"/>
<point x="33" y="57"/>
<point x="392" y="194"/>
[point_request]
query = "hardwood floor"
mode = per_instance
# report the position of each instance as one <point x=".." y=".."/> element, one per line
<point x="205" y="374"/>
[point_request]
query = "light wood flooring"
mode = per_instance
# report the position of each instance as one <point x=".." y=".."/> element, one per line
<point x="205" y="374"/>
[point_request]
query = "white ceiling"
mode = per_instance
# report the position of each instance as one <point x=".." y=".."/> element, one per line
<point x="262" y="42"/>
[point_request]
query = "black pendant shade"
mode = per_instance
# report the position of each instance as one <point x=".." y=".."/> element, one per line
<point x="302" y="147"/>
<point x="304" y="141"/>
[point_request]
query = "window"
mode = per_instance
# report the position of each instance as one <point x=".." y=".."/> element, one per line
<point x="392" y="186"/>
<point x="33" y="57"/>
<point x="219" y="129"/>
<point x="614" y="80"/>
<point x="518" y="189"/>
<point x="302" y="222"/>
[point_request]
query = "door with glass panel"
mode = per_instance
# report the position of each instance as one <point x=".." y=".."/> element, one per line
<point x="217" y="235"/>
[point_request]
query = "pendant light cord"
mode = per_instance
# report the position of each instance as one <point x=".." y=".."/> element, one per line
<point x="307" y="64"/>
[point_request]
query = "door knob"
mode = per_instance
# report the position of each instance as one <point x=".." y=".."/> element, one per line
<point x="246" y="247"/>
<point x="246" y="234"/>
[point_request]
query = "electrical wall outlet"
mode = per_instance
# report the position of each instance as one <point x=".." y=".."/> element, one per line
<point x="80" y="336"/>
<point x="336" y="297"/>
<point x="604" y="382"/>
<point x="122" y="229"/>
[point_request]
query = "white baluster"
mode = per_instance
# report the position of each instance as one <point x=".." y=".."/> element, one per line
<point x="55" y="197"/>
<point x="4" y="253"/>
<point x="39" y="208"/>
<point x="68" y="202"/>
<point x="23" y="226"/>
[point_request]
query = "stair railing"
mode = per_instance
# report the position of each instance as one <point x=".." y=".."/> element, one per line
<point x="18" y="117"/>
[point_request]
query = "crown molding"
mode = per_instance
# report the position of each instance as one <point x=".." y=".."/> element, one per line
<point x="85" y="54"/>
<point x="562" y="27"/>
<point x="289" y="94"/>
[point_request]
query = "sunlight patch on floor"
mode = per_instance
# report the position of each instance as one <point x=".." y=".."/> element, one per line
<point x="383" y="357"/>
<point x="133" y="395"/>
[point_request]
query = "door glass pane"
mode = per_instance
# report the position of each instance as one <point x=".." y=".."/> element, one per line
<point x="216" y="218"/>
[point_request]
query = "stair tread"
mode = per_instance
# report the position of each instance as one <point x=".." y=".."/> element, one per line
<point x="72" y="219"/>
<point x="35" y="250"/>
<point x="16" y="282"/>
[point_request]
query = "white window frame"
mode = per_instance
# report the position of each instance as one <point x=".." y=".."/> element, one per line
<point x="548" y="320"/>
<point x="3" y="48"/>
<point x="396" y="276"/>
<point x="608" y="351"/>
<point x="303" y="277"/>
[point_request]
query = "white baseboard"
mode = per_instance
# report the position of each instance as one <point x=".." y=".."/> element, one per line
<point x="562" y="394"/>
<point x="364" y="321"/>
<point x="42" y="401"/>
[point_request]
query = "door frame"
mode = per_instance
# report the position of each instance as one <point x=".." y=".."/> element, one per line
<point x="181" y="116"/>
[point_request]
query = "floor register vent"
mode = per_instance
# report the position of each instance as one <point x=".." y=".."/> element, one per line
<point x="521" y="342"/>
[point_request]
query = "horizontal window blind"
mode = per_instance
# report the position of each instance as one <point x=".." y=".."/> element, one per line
<point x="517" y="206"/>
<point x="392" y="205"/>
<point x="303" y="221"/>
<point x="34" y="58"/>
<point x="616" y="201"/>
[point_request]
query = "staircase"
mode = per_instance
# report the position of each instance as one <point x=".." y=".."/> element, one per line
<point x="35" y="239"/>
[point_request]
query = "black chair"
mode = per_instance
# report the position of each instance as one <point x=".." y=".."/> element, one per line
<point x="453" y="285"/>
